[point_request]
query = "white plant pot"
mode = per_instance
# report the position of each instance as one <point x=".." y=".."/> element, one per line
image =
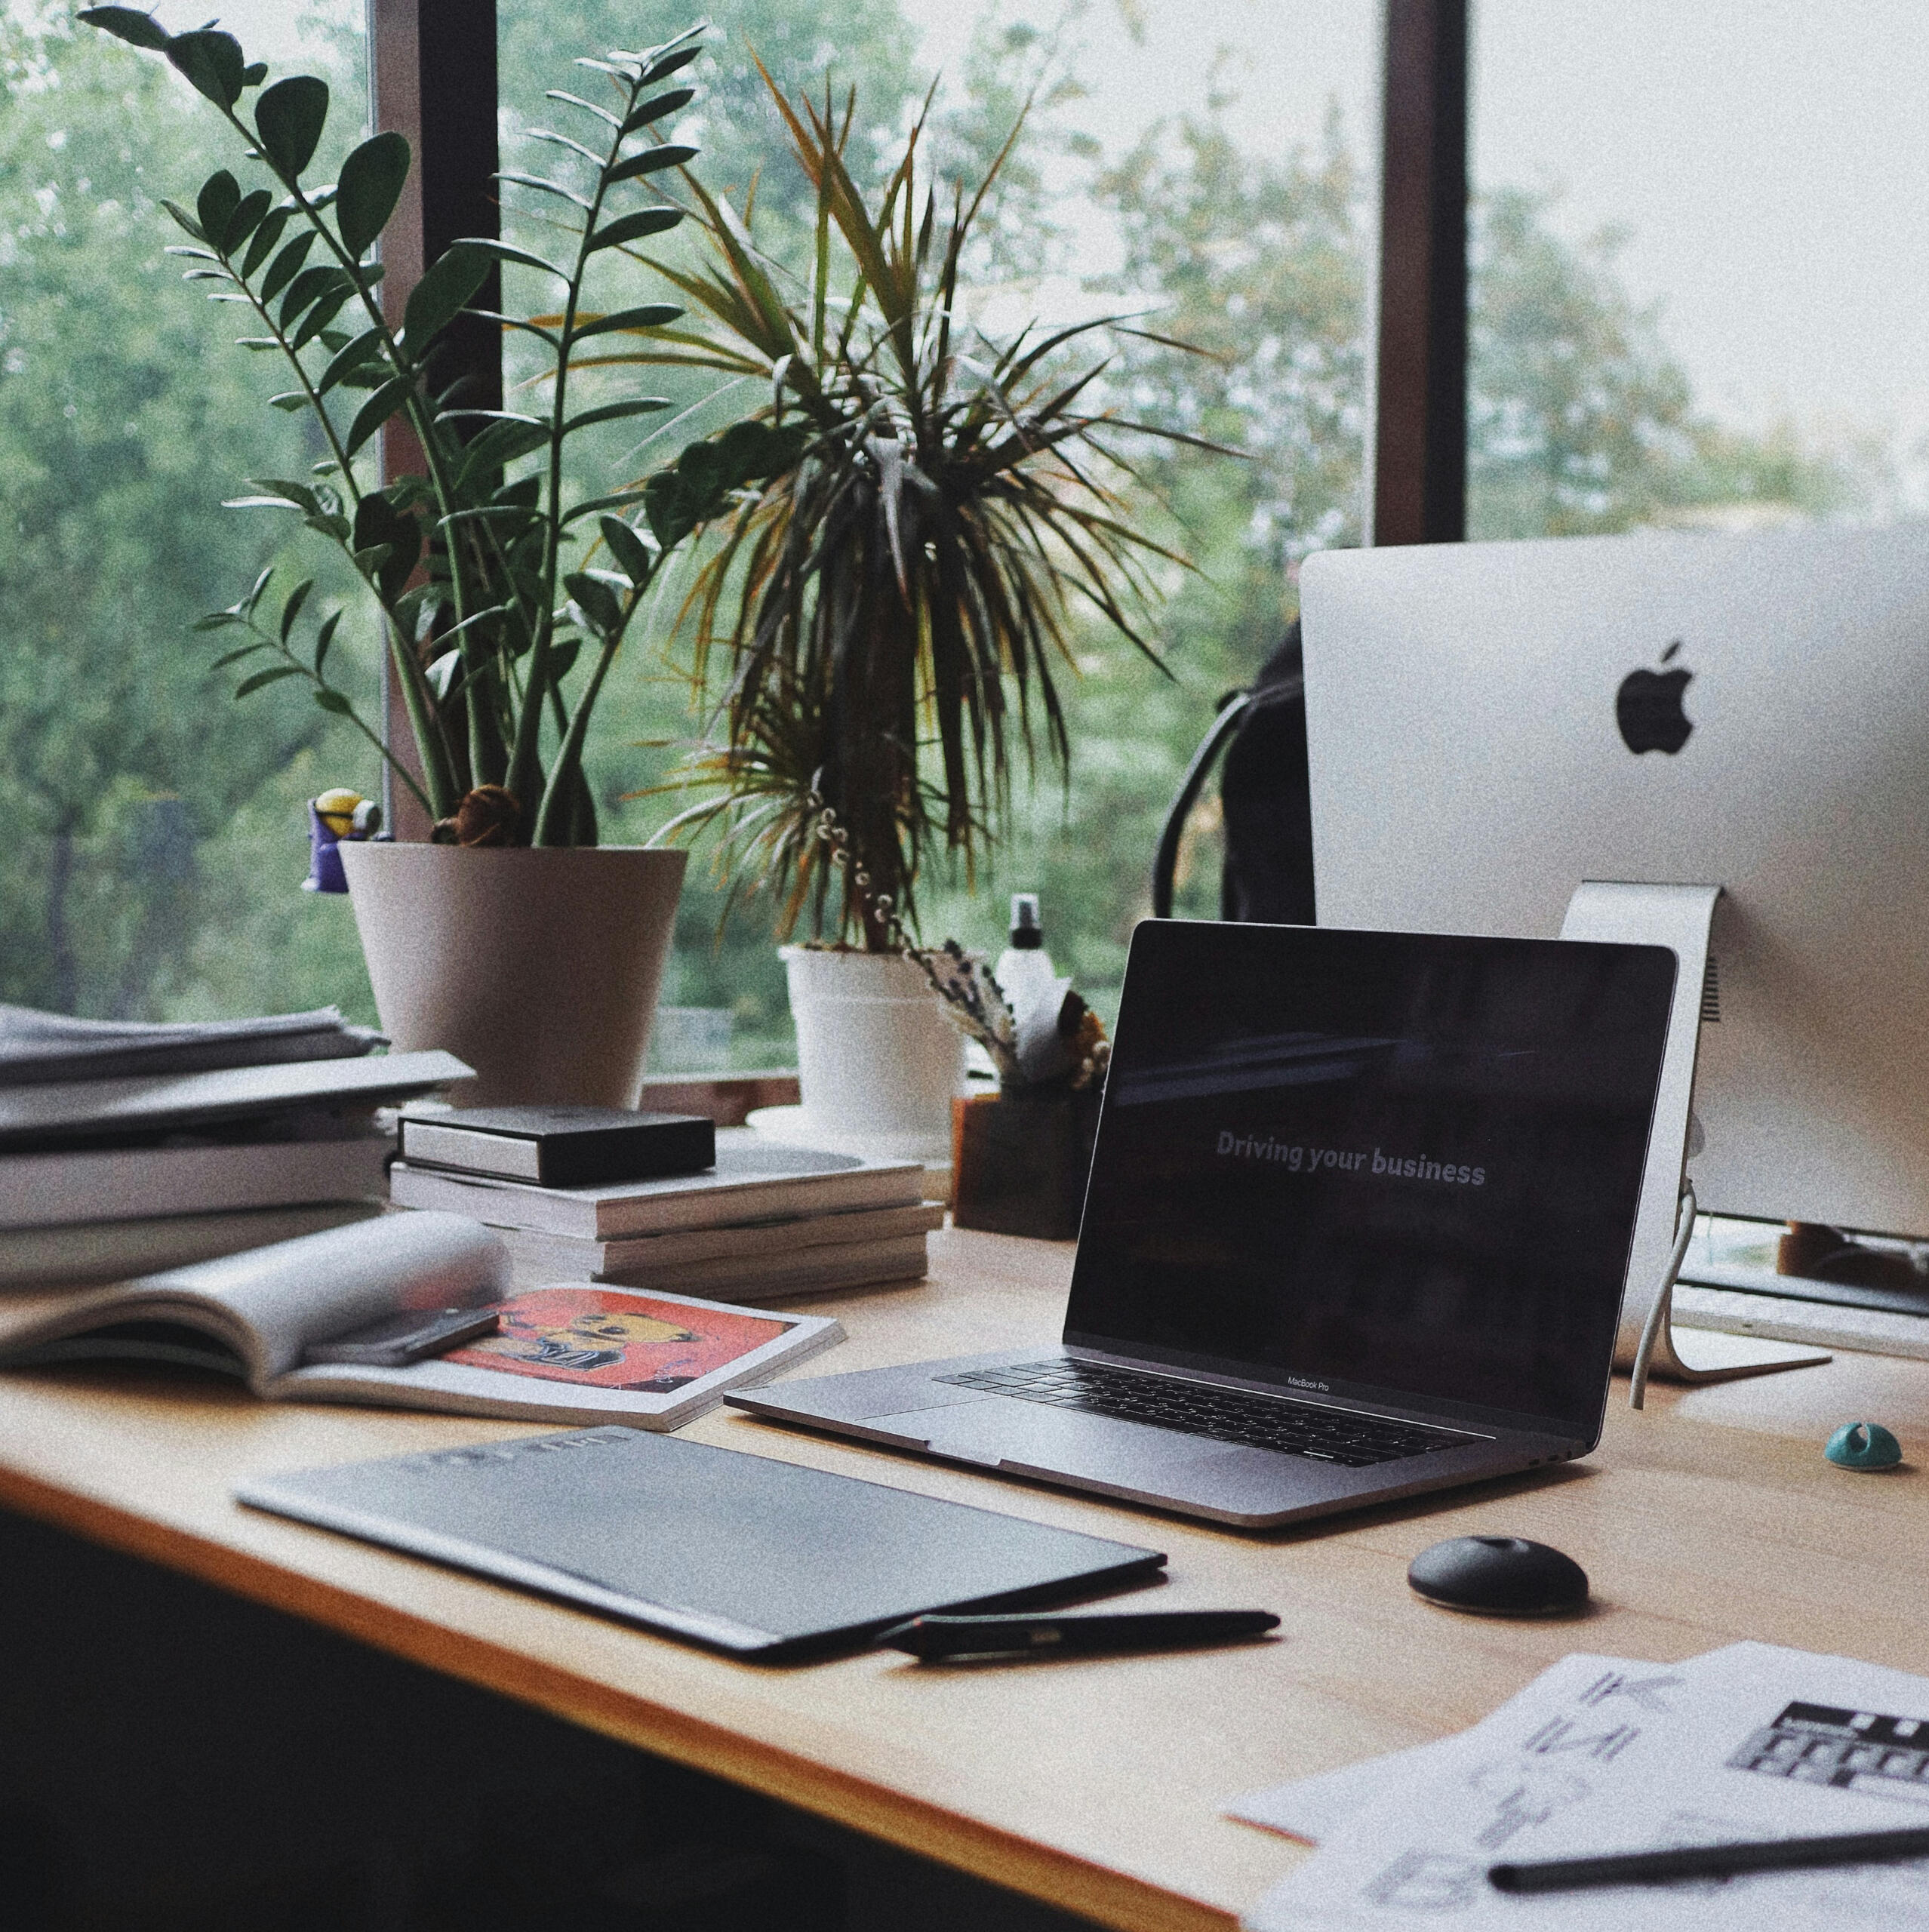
<point x="877" y="1062"/>
<point x="539" y="966"/>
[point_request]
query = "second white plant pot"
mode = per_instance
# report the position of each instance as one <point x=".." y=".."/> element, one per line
<point x="877" y="1062"/>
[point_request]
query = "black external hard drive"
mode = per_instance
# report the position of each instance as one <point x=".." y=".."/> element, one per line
<point x="560" y="1146"/>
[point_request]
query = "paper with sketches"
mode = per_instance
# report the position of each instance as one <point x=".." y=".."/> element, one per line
<point x="1599" y="1755"/>
<point x="1315" y="1808"/>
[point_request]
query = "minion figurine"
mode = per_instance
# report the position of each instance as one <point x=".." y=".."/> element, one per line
<point x="335" y="815"/>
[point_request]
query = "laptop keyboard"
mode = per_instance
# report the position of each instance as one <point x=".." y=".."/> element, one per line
<point x="1195" y="1408"/>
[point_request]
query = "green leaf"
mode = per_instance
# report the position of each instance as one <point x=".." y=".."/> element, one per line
<point x="324" y="311"/>
<point x="700" y="469"/>
<point x="677" y="98"/>
<point x="380" y="525"/>
<point x="616" y="500"/>
<point x="633" y="555"/>
<point x="439" y="297"/>
<point x="391" y="396"/>
<point x="651" y="161"/>
<point x="500" y="443"/>
<point x="662" y="70"/>
<point x="651" y="315"/>
<point x="228" y="657"/>
<point x="612" y="412"/>
<point x="546" y="185"/>
<point x="290" y="400"/>
<point x="183" y="219"/>
<point x="282" y="489"/>
<point x="265" y="236"/>
<point x="253" y="75"/>
<point x="281" y="270"/>
<point x="597" y="602"/>
<point x="634" y="227"/>
<point x="371" y="183"/>
<point x="258" y="503"/>
<point x="243" y="222"/>
<point x="215" y="620"/>
<point x="212" y="63"/>
<point x="246" y="606"/>
<point x="441" y="674"/>
<point x="324" y="637"/>
<point x="289" y="117"/>
<point x="602" y="114"/>
<point x="267" y="677"/>
<point x="550" y="138"/>
<point x="334" y="700"/>
<point x="219" y="196"/>
<point x="507" y="251"/>
<point x="350" y="358"/>
<point x="138" y="29"/>
<point x="665" y="503"/>
<point x="304" y="288"/>
<point x="752" y="451"/>
<point x="291" y="609"/>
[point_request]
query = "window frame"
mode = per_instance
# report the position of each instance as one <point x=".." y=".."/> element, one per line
<point x="1416" y="445"/>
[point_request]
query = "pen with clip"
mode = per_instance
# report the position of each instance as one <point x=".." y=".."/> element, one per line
<point x="935" y="1638"/>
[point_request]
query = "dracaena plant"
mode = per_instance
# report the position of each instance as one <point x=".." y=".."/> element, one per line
<point x="505" y="599"/>
<point x="888" y="621"/>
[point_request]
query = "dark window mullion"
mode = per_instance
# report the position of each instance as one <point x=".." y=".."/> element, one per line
<point x="432" y="78"/>
<point x="1420" y="456"/>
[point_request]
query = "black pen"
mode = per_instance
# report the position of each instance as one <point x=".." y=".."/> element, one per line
<point x="1711" y="1861"/>
<point x="933" y="1637"/>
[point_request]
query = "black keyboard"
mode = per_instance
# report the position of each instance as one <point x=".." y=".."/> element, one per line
<point x="1197" y="1408"/>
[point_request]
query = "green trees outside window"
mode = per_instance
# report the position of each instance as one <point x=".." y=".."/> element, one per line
<point x="152" y="841"/>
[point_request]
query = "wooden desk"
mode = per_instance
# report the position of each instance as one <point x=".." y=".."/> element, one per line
<point x="1095" y="1785"/>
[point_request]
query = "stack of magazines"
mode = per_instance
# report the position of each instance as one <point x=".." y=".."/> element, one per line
<point x="768" y="1221"/>
<point x="126" y="1148"/>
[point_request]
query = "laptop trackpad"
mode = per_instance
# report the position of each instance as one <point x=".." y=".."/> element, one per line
<point x="1067" y="1442"/>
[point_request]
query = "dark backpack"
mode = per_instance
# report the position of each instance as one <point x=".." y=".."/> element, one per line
<point x="1265" y="795"/>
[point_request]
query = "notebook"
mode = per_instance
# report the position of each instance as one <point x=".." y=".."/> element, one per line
<point x="762" y="1559"/>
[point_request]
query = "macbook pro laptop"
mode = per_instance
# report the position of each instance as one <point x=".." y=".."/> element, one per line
<point x="1358" y="1226"/>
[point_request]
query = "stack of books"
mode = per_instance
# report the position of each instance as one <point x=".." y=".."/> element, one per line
<point x="768" y="1221"/>
<point x="128" y="1149"/>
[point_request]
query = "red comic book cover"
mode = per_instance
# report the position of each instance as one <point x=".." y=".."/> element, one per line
<point x="610" y="1338"/>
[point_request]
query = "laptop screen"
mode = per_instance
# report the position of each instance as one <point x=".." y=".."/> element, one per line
<point x="1396" y="1167"/>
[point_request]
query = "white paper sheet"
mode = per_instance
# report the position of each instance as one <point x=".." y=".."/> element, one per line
<point x="1315" y="1808"/>
<point x="1598" y="1756"/>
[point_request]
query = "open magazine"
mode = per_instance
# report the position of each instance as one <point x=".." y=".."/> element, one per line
<point x="566" y="1352"/>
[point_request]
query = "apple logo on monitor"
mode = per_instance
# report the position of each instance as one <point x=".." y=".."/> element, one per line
<point x="1648" y="707"/>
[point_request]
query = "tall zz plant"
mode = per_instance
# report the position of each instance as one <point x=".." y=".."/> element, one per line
<point x="501" y="627"/>
<point x="892" y="614"/>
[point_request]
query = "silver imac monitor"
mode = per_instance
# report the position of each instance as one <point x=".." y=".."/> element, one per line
<point x="1491" y="724"/>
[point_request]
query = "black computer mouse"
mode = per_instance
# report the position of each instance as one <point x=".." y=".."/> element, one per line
<point x="1498" y="1577"/>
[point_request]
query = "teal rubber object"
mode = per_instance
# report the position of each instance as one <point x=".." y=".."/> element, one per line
<point x="1863" y="1445"/>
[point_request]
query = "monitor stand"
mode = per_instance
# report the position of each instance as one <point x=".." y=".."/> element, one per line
<point x="1677" y="917"/>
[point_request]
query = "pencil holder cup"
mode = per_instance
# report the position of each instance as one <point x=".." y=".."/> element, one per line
<point x="1019" y="1161"/>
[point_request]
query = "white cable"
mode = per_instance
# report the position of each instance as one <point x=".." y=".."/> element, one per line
<point x="1657" y="1316"/>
